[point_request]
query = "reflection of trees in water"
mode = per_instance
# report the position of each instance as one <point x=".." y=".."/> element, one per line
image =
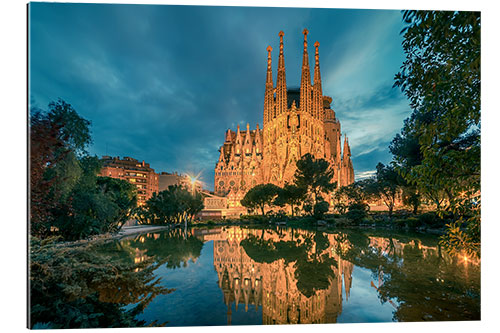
<point x="292" y="272"/>
<point x="172" y="248"/>
<point x="313" y="272"/>
<point x="88" y="286"/>
<point x="426" y="283"/>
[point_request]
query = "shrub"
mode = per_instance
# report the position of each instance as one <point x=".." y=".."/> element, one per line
<point x="400" y="223"/>
<point x="431" y="219"/>
<point x="254" y="219"/>
<point x="342" y="222"/>
<point x="357" y="212"/>
<point x="308" y="220"/>
<point x="413" y="222"/>
<point x="85" y="286"/>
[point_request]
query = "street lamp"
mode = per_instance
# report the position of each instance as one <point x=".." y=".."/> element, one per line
<point x="193" y="183"/>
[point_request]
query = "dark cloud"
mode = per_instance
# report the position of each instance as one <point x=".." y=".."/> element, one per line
<point x="163" y="83"/>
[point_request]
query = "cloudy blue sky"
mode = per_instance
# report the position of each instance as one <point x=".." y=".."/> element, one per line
<point x="163" y="83"/>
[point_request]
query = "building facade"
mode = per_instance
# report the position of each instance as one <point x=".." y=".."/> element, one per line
<point x="139" y="174"/>
<point x="295" y="122"/>
<point x="167" y="179"/>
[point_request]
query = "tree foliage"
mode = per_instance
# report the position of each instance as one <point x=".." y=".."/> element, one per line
<point x="67" y="198"/>
<point x="350" y="194"/>
<point x="421" y="284"/>
<point x="320" y="209"/>
<point x="174" y="205"/>
<point x="357" y="212"/>
<point x="386" y="185"/>
<point x="314" y="175"/>
<point x="291" y="195"/>
<point x="441" y="77"/>
<point x="84" y="286"/>
<point x="260" y="196"/>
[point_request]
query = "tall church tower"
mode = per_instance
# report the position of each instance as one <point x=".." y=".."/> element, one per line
<point x="295" y="122"/>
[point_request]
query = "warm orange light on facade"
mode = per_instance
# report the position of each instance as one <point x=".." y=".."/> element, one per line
<point x="295" y="122"/>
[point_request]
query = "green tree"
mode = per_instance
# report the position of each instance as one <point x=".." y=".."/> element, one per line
<point x="58" y="137"/>
<point x="67" y="198"/>
<point x="260" y="196"/>
<point x="194" y="205"/>
<point x="314" y="175"/>
<point x="408" y="157"/>
<point x="74" y="130"/>
<point x="320" y="208"/>
<point x="291" y="195"/>
<point x="352" y="193"/>
<point x="173" y="205"/>
<point x="95" y="205"/>
<point x="411" y="197"/>
<point x="385" y="185"/>
<point x="441" y="77"/>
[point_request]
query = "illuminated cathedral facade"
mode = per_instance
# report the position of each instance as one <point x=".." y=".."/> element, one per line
<point x="295" y="122"/>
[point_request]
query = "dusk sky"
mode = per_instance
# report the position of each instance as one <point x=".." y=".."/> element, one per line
<point x="163" y="83"/>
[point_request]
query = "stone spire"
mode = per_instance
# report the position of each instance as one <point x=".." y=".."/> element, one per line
<point x="258" y="140"/>
<point x="305" y="81"/>
<point x="347" y="150"/>
<point x="269" y="94"/>
<point x="247" y="146"/>
<point x="347" y="171"/>
<point x="238" y="140"/>
<point x="338" y="150"/>
<point x="228" y="137"/>
<point x="222" y="159"/>
<point x="281" y="103"/>
<point x="317" y="90"/>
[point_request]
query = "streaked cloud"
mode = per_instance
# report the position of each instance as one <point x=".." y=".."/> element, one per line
<point x="365" y="174"/>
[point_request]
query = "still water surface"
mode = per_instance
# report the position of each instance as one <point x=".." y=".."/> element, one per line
<point x="250" y="276"/>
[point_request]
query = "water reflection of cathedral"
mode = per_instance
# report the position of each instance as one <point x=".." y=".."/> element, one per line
<point x="274" y="285"/>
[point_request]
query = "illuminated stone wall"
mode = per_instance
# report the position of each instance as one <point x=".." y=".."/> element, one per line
<point x="296" y="122"/>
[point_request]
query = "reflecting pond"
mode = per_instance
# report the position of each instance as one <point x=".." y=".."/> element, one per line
<point x="248" y="276"/>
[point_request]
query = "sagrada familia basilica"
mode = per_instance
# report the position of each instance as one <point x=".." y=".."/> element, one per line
<point x="296" y="122"/>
